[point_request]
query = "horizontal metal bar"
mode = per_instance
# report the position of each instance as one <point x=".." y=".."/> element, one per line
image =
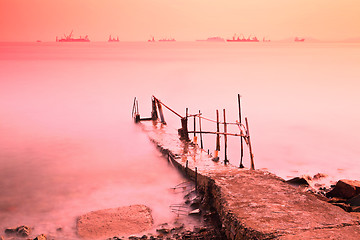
<point x="229" y="134"/>
<point x="168" y="107"/>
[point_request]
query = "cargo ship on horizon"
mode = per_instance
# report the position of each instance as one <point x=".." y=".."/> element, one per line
<point x="167" y="40"/>
<point x="212" y="39"/>
<point x="69" y="38"/>
<point x="297" y="39"/>
<point x="113" y="39"/>
<point x="243" y="39"/>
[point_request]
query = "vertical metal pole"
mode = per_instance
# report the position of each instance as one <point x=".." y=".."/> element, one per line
<point x="186" y="117"/>
<point x="225" y="139"/>
<point x="183" y="132"/>
<point x="137" y="107"/>
<point x="196" y="178"/>
<point x="154" y="115"/>
<point x="160" y="112"/>
<point x="201" y="140"/>
<point x="187" y="167"/>
<point x="133" y="109"/>
<point x="217" y="130"/>
<point x="251" y="154"/>
<point x="195" y="137"/>
<point x="216" y="157"/>
<point x="241" y="138"/>
<point x="194" y="125"/>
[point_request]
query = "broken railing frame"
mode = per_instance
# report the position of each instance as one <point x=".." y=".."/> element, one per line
<point x="157" y="112"/>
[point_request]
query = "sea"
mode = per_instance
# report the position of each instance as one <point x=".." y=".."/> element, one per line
<point x="69" y="145"/>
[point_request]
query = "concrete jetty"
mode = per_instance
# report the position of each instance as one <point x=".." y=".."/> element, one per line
<point x="253" y="204"/>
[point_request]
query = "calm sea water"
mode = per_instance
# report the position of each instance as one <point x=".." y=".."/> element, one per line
<point x="68" y="144"/>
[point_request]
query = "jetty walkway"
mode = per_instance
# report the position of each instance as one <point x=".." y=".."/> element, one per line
<point x="251" y="204"/>
<point x="254" y="204"/>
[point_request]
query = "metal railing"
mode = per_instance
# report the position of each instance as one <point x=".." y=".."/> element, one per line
<point x="244" y="134"/>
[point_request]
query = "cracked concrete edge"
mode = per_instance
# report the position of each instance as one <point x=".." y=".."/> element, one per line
<point x="232" y="226"/>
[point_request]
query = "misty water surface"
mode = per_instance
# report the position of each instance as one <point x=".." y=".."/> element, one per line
<point x="68" y="144"/>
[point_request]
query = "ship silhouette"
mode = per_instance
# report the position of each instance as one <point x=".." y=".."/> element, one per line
<point x="69" y="38"/>
<point x="297" y="39"/>
<point x="212" y="39"/>
<point x="152" y="39"/>
<point x="167" y="40"/>
<point x="113" y="39"/>
<point x="242" y="39"/>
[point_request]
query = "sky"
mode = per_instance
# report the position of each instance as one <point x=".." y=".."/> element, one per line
<point x="137" y="20"/>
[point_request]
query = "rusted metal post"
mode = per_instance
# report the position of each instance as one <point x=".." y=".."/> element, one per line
<point x="248" y="137"/>
<point x="187" y="167"/>
<point x="226" y="161"/>
<point x="154" y="115"/>
<point x="135" y="111"/>
<point x="196" y="185"/>
<point x="137" y="107"/>
<point x="162" y="119"/>
<point x="201" y="140"/>
<point x="133" y="108"/>
<point x="216" y="157"/>
<point x="195" y="137"/>
<point x="241" y="138"/>
<point x="183" y="131"/>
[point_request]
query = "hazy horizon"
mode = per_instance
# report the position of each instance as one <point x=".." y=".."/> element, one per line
<point x="283" y="40"/>
<point x="137" y="20"/>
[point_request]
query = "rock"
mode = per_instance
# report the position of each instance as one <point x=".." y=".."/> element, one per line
<point x="343" y="206"/>
<point x="40" y="237"/>
<point x="345" y="189"/>
<point x="176" y="236"/>
<point x="115" y="221"/>
<point x="319" y="176"/>
<point x="178" y="228"/>
<point x="337" y="200"/>
<point x="195" y="212"/>
<point x="163" y="231"/>
<point x="297" y="181"/>
<point x="355" y="208"/>
<point x="10" y="230"/>
<point x="22" y="231"/>
<point x="355" y="201"/>
<point x="200" y="229"/>
<point x="319" y="185"/>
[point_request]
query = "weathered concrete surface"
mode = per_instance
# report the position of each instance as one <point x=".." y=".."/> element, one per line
<point x="255" y="204"/>
<point x="115" y="221"/>
<point x="345" y="233"/>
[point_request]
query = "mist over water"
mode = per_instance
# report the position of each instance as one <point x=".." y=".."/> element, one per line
<point x="68" y="144"/>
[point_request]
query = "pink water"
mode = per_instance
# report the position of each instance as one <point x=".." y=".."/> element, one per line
<point x="68" y="144"/>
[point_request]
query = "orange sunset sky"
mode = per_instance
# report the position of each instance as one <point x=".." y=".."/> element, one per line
<point x="30" y="20"/>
